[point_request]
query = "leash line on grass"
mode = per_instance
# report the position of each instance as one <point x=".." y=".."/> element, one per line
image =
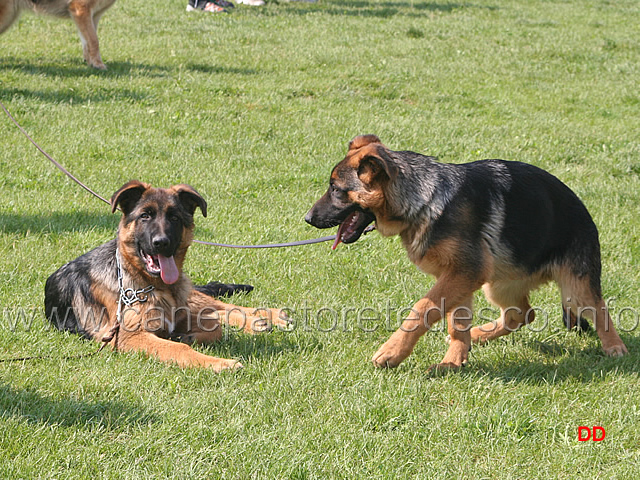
<point x="49" y="357"/>
<point x="328" y="238"/>
<point x="59" y="166"/>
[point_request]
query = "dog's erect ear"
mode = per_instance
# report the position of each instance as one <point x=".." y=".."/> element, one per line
<point x="376" y="163"/>
<point x="190" y="199"/>
<point x="128" y="195"/>
<point x="363" y="140"/>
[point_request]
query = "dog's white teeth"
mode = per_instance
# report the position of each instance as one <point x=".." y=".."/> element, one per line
<point x="152" y="262"/>
<point x="352" y="223"/>
<point x="348" y="226"/>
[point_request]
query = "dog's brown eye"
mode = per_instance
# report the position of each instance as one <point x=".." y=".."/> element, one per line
<point x="338" y="193"/>
<point x="145" y="216"/>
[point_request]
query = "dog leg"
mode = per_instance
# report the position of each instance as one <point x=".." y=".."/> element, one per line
<point x="172" y="352"/>
<point x="400" y="345"/>
<point x="447" y="294"/>
<point x="83" y="17"/>
<point x="255" y="320"/>
<point x="139" y="331"/>
<point x="250" y="320"/>
<point x="459" y="324"/>
<point x="611" y="342"/>
<point x="515" y="311"/>
<point x="582" y="301"/>
<point x="202" y="327"/>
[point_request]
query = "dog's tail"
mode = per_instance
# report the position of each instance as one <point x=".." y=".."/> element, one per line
<point x="218" y="289"/>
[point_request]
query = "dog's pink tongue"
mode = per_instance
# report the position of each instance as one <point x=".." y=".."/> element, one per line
<point x="168" y="269"/>
<point x="341" y="229"/>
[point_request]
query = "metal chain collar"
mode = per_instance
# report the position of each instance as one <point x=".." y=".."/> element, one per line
<point x="129" y="296"/>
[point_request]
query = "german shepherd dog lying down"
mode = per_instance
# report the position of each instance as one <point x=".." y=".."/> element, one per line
<point x="85" y="13"/>
<point x="131" y="292"/>
<point x="505" y="227"/>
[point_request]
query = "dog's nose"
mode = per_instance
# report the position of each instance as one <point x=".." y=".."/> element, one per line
<point x="308" y="218"/>
<point x="160" y="242"/>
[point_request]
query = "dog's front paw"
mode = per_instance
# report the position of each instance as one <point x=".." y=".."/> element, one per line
<point x="617" y="350"/>
<point x="220" y="364"/>
<point x="390" y="354"/>
<point x="92" y="61"/>
<point x="457" y="356"/>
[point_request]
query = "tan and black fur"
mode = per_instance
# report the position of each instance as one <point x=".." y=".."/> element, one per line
<point x="156" y="230"/>
<point x="85" y="13"/>
<point x="505" y="227"/>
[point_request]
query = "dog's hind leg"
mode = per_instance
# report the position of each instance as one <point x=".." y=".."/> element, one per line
<point x="515" y="311"/>
<point x="582" y="300"/>
<point x="612" y="344"/>
<point x="250" y="320"/>
<point x="87" y="29"/>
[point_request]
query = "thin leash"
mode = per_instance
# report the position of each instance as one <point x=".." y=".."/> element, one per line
<point x="328" y="238"/>
<point x="51" y="357"/>
<point x="60" y="167"/>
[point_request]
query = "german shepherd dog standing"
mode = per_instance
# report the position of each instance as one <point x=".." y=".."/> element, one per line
<point x="85" y="14"/>
<point x="131" y="292"/>
<point x="505" y="227"/>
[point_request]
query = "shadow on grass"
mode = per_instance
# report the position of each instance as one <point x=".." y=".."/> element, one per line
<point x="57" y="222"/>
<point x="70" y="96"/>
<point x="204" y="68"/>
<point x="565" y="363"/>
<point x="62" y="69"/>
<point x="407" y="8"/>
<point x="36" y="408"/>
<point x="263" y="346"/>
<point x="101" y="93"/>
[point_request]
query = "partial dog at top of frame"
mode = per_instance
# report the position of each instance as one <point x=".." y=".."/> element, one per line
<point x="85" y="13"/>
<point x="135" y="282"/>
<point x="505" y="227"/>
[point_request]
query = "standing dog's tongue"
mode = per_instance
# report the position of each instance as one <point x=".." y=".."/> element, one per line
<point x="344" y="226"/>
<point x="338" y="239"/>
<point x="168" y="269"/>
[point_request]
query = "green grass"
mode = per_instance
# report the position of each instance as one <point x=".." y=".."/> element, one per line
<point x="253" y="109"/>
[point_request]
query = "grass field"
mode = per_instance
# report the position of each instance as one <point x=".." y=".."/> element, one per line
<point x="253" y="109"/>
